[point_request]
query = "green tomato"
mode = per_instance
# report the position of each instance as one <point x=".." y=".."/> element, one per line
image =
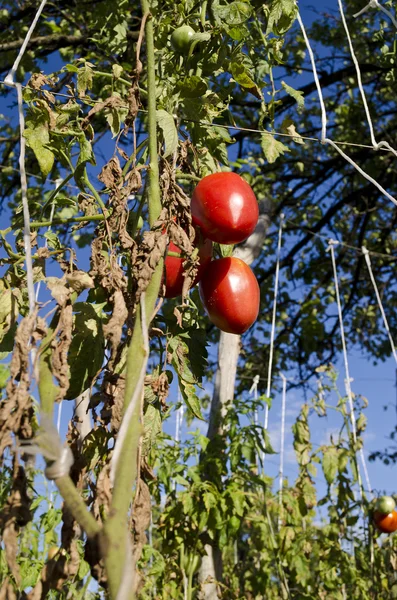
<point x="385" y="505"/>
<point x="181" y="38"/>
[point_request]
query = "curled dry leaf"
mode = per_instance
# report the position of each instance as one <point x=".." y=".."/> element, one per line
<point x="79" y="281"/>
<point x="18" y="402"/>
<point x="114" y="328"/>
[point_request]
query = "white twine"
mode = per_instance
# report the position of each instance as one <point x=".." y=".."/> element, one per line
<point x="273" y="330"/>
<point x="348" y="379"/>
<point x="254" y="390"/>
<point x="326" y="140"/>
<point x="375" y="4"/>
<point x="48" y="443"/>
<point x="282" y="441"/>
<point x="316" y="80"/>
<point x="386" y="324"/>
<point x="360" y="85"/>
<point x="125" y="423"/>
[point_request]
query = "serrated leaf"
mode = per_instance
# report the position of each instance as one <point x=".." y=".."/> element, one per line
<point x="152" y="424"/>
<point x="330" y="463"/>
<point x="87" y="349"/>
<point x="272" y="148"/>
<point x="281" y="16"/>
<point x="191" y="399"/>
<point x="84" y="79"/>
<point x="170" y="134"/>
<point x="37" y="138"/>
<point x="297" y="95"/>
<point x="234" y="13"/>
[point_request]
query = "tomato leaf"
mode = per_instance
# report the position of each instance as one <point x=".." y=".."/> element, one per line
<point x="296" y="95"/>
<point x="37" y="137"/>
<point x="87" y="349"/>
<point x="330" y="463"/>
<point x="167" y="125"/>
<point x="235" y="13"/>
<point x="272" y="148"/>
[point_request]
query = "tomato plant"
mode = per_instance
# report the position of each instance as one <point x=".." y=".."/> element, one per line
<point x="230" y="294"/>
<point x="225" y="208"/>
<point x="386" y="523"/>
<point x="173" y="268"/>
<point x="181" y="38"/>
<point x="385" y="505"/>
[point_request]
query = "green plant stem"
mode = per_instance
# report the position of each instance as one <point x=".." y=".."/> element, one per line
<point x="154" y="188"/>
<point x="95" y="193"/>
<point x="115" y="528"/>
<point x="60" y="221"/>
<point x="76" y="505"/>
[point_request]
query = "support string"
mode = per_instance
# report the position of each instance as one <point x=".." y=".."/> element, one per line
<point x="273" y="330"/>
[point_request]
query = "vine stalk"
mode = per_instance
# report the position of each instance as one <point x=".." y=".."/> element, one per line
<point x="115" y="540"/>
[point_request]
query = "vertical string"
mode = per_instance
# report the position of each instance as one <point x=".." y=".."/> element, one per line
<point x="345" y="359"/>
<point x="379" y="299"/>
<point x="254" y="390"/>
<point x="282" y="441"/>
<point x="273" y="329"/>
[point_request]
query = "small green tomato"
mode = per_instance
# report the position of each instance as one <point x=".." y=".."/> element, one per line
<point x="385" y="505"/>
<point x="181" y="38"/>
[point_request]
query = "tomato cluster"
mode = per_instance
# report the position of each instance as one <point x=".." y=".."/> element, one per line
<point x="384" y="516"/>
<point x="224" y="210"/>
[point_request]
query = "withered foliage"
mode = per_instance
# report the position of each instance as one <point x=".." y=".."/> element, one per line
<point x="16" y="410"/>
<point x="15" y="514"/>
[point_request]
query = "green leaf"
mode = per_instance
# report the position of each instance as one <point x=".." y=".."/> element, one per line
<point x="288" y="127"/>
<point x="87" y="349"/>
<point x="192" y="87"/>
<point x="151" y="427"/>
<point x="267" y="444"/>
<point x="4" y="375"/>
<point x="297" y="95"/>
<point x="170" y="134"/>
<point x="241" y="75"/>
<point x="191" y="399"/>
<point x="37" y="138"/>
<point x="84" y="78"/>
<point x="330" y="463"/>
<point x="234" y="13"/>
<point x="272" y="148"/>
<point x="282" y="14"/>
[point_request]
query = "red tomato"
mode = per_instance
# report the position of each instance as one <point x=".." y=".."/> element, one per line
<point x="225" y="208"/>
<point x="173" y="265"/>
<point x="230" y="293"/>
<point x="386" y="523"/>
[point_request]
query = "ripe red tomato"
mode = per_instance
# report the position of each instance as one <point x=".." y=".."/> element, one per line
<point x="386" y="523"/>
<point x="230" y="293"/>
<point x="385" y="505"/>
<point x="173" y="266"/>
<point x="225" y="208"/>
